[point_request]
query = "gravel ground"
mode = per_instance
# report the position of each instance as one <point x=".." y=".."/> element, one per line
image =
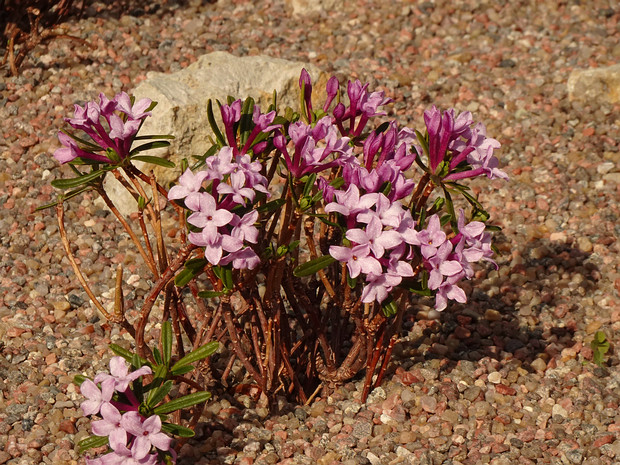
<point x="506" y="379"/>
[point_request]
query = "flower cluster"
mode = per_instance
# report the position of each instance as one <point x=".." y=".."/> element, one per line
<point x="231" y="184"/>
<point x="383" y="241"/>
<point x="466" y="150"/>
<point x="130" y="436"/>
<point x="111" y="124"/>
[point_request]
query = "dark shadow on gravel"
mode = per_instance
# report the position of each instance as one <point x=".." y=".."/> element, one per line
<point x="529" y="318"/>
<point x="118" y="8"/>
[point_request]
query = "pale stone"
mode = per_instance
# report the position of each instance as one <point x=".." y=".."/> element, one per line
<point x="494" y="377"/>
<point x="182" y="103"/>
<point x="596" y="85"/>
<point x="305" y="7"/>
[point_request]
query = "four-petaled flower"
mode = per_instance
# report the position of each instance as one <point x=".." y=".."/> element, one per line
<point x="120" y="375"/>
<point x="147" y="433"/>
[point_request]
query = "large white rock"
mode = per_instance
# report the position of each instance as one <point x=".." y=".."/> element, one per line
<point x="595" y="85"/>
<point x="182" y="104"/>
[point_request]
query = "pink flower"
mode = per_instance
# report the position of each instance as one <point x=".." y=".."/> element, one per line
<point x="95" y="397"/>
<point x="119" y="373"/>
<point x="147" y="433"/>
<point x="358" y="259"/>
<point x="111" y="426"/>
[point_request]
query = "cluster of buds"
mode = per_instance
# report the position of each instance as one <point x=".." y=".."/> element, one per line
<point x="111" y="125"/>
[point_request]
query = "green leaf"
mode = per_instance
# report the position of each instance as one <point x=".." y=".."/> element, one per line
<point x="312" y="266"/>
<point x="79" y="181"/>
<point x="225" y="275"/>
<point x="156" y="144"/>
<point x="423" y="140"/>
<point x="166" y="341"/>
<point x="118" y="350"/>
<point x="154" y="160"/>
<point x="182" y="370"/>
<point x="201" y="352"/>
<point x="157" y="355"/>
<point x="177" y="430"/>
<point x="210" y="294"/>
<point x="196" y="263"/>
<point x="183" y="277"/>
<point x="157" y="395"/>
<point x="91" y="442"/>
<point x="64" y="197"/>
<point x="311" y="178"/>
<point x="79" y="379"/>
<point x="245" y="123"/>
<point x="271" y="206"/>
<point x="389" y="308"/>
<point x="151" y="137"/>
<point x="213" y="124"/>
<point x="183" y="402"/>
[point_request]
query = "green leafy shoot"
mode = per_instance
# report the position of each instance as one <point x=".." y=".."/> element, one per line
<point x="600" y="346"/>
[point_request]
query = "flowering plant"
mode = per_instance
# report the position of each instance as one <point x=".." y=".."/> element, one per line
<point x="133" y="413"/>
<point x="303" y="235"/>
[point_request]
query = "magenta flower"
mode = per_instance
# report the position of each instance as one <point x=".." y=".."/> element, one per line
<point x="429" y="239"/>
<point x="215" y="245"/>
<point x="332" y="91"/>
<point x="375" y="237"/>
<point x="147" y="433"/>
<point x="107" y="129"/>
<point x="237" y="188"/>
<point x="136" y="111"/>
<point x="244" y="259"/>
<point x="189" y="185"/>
<point x="95" y="397"/>
<point x="70" y="151"/>
<point x="244" y="229"/>
<point x="449" y="290"/>
<point x="441" y="266"/>
<point x="111" y="426"/>
<point x="349" y="202"/>
<point x="358" y="259"/>
<point x="123" y="456"/>
<point x="119" y="373"/>
<point x="207" y="216"/>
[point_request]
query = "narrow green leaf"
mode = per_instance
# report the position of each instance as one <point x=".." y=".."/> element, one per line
<point x="213" y="124"/>
<point x="156" y="144"/>
<point x="153" y="137"/>
<point x="227" y="278"/>
<point x="64" y="197"/>
<point x="423" y="142"/>
<point x="180" y="371"/>
<point x="309" y="184"/>
<point x="271" y="206"/>
<point x="210" y="294"/>
<point x="76" y="182"/>
<point x="154" y="160"/>
<point x="186" y="275"/>
<point x="157" y="395"/>
<point x="79" y="379"/>
<point x="92" y="441"/>
<point x="312" y="266"/>
<point x="198" y="354"/>
<point x="183" y="402"/>
<point x="245" y="123"/>
<point x="196" y="263"/>
<point x="118" y="350"/>
<point x="157" y="356"/>
<point x="166" y="341"/>
<point x="390" y="308"/>
<point x="177" y="430"/>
